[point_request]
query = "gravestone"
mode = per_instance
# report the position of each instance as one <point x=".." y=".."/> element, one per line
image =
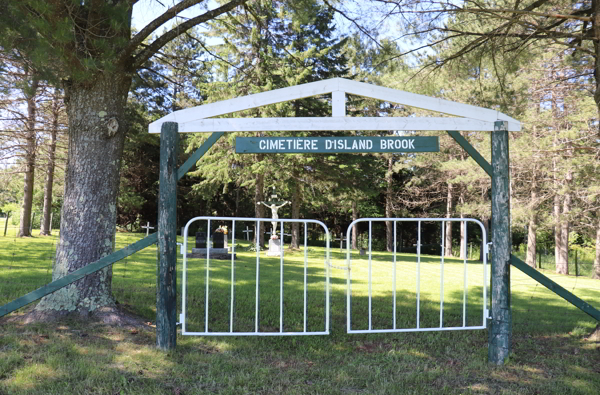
<point x="200" y="239"/>
<point x="218" y="240"/>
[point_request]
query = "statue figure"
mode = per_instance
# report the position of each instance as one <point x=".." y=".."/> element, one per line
<point x="274" y="215"/>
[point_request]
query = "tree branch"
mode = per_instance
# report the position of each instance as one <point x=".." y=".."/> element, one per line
<point x="161" y="41"/>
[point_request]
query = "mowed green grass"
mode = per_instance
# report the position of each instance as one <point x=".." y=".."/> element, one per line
<point x="550" y="353"/>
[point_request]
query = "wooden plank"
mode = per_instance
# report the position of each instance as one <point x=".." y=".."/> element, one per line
<point x="166" y="309"/>
<point x="329" y="86"/>
<point x="192" y="160"/>
<point x="338" y="104"/>
<point x="554" y="287"/>
<point x="500" y="333"/>
<point x="425" y="102"/>
<point x="313" y="145"/>
<point x="334" y="123"/>
<point x="471" y="151"/>
<point x="78" y="274"/>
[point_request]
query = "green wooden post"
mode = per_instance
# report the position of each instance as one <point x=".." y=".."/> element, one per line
<point x="166" y="310"/>
<point x="500" y="331"/>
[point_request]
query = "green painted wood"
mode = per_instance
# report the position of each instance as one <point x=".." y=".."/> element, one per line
<point x="166" y="309"/>
<point x="199" y="153"/>
<point x="471" y="151"/>
<point x="500" y="331"/>
<point x="78" y="274"/>
<point x="333" y="145"/>
<point x="554" y="287"/>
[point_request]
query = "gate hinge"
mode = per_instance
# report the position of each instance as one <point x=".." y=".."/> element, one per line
<point x="181" y="251"/>
<point x="487" y="314"/>
<point x="181" y="317"/>
<point x="487" y="248"/>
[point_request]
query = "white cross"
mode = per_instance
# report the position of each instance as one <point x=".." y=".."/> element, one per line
<point x="147" y="227"/>
<point x="247" y="232"/>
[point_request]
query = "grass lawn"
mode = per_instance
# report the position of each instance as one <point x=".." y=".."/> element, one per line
<point x="551" y="355"/>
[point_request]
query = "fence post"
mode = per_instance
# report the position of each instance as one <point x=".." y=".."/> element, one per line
<point x="500" y="332"/>
<point x="166" y="309"/>
<point x="576" y="265"/>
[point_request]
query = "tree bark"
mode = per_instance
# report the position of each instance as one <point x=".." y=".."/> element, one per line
<point x="532" y="227"/>
<point x="448" y="239"/>
<point x="563" y="268"/>
<point x="354" y="228"/>
<point x="597" y="260"/>
<point x="88" y="218"/>
<point x="389" y="230"/>
<point x="45" y="222"/>
<point x="30" y="153"/>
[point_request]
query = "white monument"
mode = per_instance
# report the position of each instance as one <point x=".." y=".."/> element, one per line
<point x="274" y="241"/>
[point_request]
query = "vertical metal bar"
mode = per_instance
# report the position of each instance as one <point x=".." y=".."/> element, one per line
<point x="257" y="274"/>
<point x="465" y="275"/>
<point x="184" y="281"/>
<point x="418" y="274"/>
<point x="370" y="279"/>
<point x="394" y="276"/>
<point x="207" y="277"/>
<point x="305" y="269"/>
<point x="232" y="275"/>
<point x="328" y="275"/>
<point x="281" y="280"/>
<point x="442" y="274"/>
<point x="349" y="287"/>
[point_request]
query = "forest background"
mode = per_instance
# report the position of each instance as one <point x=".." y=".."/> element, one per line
<point x="548" y="83"/>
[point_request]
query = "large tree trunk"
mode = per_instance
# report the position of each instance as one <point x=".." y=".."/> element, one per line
<point x="597" y="260"/>
<point x="30" y="152"/>
<point x="389" y="213"/>
<point x="354" y="228"/>
<point x="45" y="222"/>
<point x="562" y="261"/>
<point x="88" y="218"/>
<point x="448" y="239"/>
<point x="532" y="228"/>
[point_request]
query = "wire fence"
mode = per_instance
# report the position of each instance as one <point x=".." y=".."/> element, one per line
<point x="581" y="260"/>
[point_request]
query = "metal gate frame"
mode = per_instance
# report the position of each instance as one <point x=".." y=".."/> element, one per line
<point x="418" y="328"/>
<point x="256" y="332"/>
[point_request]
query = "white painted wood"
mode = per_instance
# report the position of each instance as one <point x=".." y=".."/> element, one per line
<point x="336" y="86"/>
<point x="334" y="123"/>
<point x="338" y="104"/>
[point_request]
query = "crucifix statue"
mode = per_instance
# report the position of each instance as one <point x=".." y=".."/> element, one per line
<point x="274" y="205"/>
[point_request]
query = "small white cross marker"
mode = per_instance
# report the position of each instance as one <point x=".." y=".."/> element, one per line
<point x="147" y="227"/>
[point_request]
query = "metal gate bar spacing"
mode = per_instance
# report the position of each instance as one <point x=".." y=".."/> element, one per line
<point x="418" y="327"/>
<point x="256" y="332"/>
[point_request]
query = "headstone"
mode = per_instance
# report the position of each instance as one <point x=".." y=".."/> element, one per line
<point x="274" y="247"/>
<point x="247" y="232"/>
<point x="218" y="240"/>
<point x="147" y="227"/>
<point x="200" y="239"/>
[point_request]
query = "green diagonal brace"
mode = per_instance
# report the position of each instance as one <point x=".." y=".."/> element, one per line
<point x="78" y="274"/>
<point x="554" y="287"/>
<point x="471" y="151"/>
<point x="191" y="161"/>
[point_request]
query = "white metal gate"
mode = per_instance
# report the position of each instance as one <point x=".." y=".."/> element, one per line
<point x="392" y="324"/>
<point x="242" y="313"/>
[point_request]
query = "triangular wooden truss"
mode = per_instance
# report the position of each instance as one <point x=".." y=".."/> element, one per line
<point x="464" y="117"/>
